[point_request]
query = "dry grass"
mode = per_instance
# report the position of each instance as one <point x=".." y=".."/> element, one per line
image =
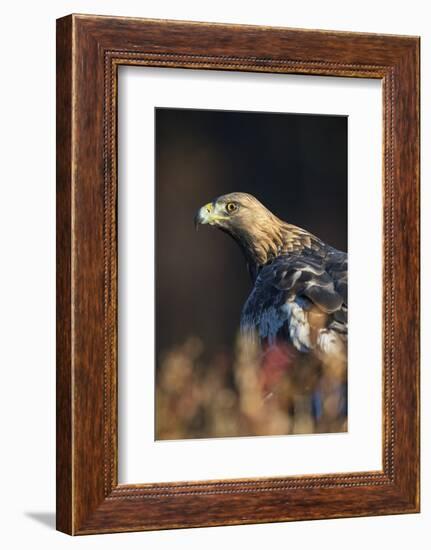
<point x="249" y="393"/>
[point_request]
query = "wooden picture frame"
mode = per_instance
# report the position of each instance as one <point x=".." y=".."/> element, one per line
<point x="89" y="51"/>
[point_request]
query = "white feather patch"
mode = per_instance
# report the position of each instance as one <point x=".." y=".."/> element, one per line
<point x="329" y="342"/>
<point x="299" y="328"/>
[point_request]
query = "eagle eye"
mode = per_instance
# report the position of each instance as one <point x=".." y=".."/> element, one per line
<point x="231" y="207"/>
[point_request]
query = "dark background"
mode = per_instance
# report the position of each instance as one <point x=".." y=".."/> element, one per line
<point x="294" y="164"/>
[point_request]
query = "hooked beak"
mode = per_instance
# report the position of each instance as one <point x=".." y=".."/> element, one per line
<point x="204" y="215"/>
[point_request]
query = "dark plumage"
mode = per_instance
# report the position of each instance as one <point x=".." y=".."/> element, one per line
<point x="300" y="283"/>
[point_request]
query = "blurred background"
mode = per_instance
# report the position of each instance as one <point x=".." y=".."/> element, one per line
<point x="207" y="383"/>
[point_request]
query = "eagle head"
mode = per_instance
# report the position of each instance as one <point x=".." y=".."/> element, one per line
<point x="234" y="213"/>
<point x="257" y="230"/>
<point x="260" y="234"/>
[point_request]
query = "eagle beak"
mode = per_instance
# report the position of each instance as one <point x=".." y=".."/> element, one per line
<point x="203" y="215"/>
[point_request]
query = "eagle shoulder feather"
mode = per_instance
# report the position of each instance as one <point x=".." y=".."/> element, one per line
<point x="301" y="298"/>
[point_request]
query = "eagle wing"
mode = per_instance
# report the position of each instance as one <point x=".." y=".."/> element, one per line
<point x="301" y="299"/>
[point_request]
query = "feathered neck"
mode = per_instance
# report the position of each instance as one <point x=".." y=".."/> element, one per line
<point x="271" y="237"/>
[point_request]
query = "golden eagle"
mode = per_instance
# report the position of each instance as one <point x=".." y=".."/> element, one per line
<point x="299" y="295"/>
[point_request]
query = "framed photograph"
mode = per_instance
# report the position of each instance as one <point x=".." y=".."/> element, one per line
<point x="222" y="200"/>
